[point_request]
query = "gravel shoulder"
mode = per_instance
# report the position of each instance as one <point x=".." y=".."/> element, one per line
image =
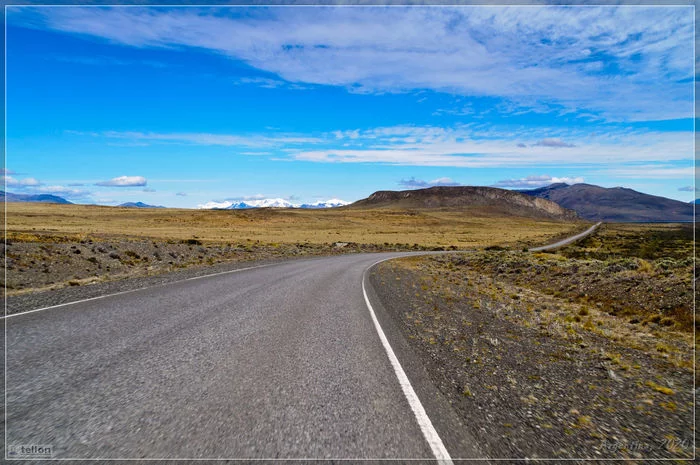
<point x="531" y="374"/>
<point x="54" y="269"/>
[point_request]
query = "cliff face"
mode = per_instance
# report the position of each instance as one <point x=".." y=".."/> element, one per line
<point x="484" y="199"/>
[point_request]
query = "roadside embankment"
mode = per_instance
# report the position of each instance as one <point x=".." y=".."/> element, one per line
<point x="546" y="355"/>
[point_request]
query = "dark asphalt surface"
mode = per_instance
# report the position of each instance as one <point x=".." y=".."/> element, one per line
<point x="281" y="361"/>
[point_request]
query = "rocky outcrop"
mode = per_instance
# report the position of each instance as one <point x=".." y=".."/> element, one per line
<point x="483" y="199"/>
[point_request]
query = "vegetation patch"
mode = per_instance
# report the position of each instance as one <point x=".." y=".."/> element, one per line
<point x="50" y="245"/>
<point x="429" y="228"/>
<point x="558" y="355"/>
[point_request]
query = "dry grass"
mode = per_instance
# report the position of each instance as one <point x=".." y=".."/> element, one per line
<point x="648" y="241"/>
<point x="38" y="222"/>
<point x="571" y="377"/>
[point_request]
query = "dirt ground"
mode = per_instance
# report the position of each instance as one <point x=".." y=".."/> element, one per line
<point x="56" y="261"/>
<point x="535" y="354"/>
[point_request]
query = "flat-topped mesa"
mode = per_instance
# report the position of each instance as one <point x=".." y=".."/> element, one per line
<point x="479" y="200"/>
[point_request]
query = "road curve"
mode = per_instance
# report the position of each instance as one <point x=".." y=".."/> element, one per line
<point x="281" y="361"/>
<point x="568" y="240"/>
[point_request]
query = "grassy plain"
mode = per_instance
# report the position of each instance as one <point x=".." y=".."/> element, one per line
<point x="28" y="221"/>
<point x="52" y="246"/>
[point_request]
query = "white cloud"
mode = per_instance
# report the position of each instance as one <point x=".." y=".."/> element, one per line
<point x="20" y="183"/>
<point x="181" y="194"/>
<point x="464" y="110"/>
<point x="689" y="189"/>
<point x="34" y="186"/>
<point x="495" y="147"/>
<point x="414" y="183"/>
<point x="268" y="83"/>
<point x="265" y="83"/>
<point x="461" y="146"/>
<point x="531" y="182"/>
<point x="625" y="63"/>
<point x="124" y="181"/>
<point x="227" y="140"/>
<point x="61" y="191"/>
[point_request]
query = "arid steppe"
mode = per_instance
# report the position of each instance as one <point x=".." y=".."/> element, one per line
<point x="590" y="347"/>
<point x="51" y="246"/>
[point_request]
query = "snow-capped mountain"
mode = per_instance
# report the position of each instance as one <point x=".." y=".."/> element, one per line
<point x="262" y="203"/>
<point x="271" y="203"/>
<point x="332" y="203"/>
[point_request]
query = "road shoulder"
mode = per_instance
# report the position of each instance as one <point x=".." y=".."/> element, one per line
<point x="533" y="375"/>
<point x="447" y="423"/>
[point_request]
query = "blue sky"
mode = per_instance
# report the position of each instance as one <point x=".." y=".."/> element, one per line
<point x="184" y="106"/>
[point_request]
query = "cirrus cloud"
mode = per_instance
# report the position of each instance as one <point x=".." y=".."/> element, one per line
<point x="552" y="143"/>
<point x="61" y="191"/>
<point x="414" y="183"/>
<point x="20" y="183"/>
<point x="459" y="146"/>
<point x="124" y="181"/>
<point x="551" y="57"/>
<point x="535" y="181"/>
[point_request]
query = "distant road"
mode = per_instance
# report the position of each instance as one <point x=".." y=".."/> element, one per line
<point x="281" y="361"/>
<point x="568" y="240"/>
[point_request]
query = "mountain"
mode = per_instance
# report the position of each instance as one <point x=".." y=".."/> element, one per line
<point x="696" y="201"/>
<point x="332" y="203"/>
<point x="263" y="203"/>
<point x="486" y="201"/>
<point x="43" y="198"/>
<point x="271" y="203"/>
<point x="139" y="205"/>
<point x="613" y="204"/>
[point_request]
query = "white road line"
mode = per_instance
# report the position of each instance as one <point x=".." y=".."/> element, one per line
<point x="135" y="290"/>
<point x="426" y="426"/>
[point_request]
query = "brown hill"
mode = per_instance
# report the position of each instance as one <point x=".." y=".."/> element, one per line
<point x="616" y="204"/>
<point x="482" y="201"/>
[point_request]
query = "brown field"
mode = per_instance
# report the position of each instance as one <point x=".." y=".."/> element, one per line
<point x="31" y="222"/>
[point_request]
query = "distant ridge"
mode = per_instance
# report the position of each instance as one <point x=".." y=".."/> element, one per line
<point x="485" y="201"/>
<point x="38" y="198"/>
<point x="271" y="203"/>
<point x="621" y="204"/>
<point x="139" y="205"/>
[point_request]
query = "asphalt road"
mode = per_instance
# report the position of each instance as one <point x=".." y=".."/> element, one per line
<point x="568" y="240"/>
<point x="281" y="361"/>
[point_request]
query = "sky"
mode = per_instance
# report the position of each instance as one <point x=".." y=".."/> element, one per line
<point x="181" y="106"/>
